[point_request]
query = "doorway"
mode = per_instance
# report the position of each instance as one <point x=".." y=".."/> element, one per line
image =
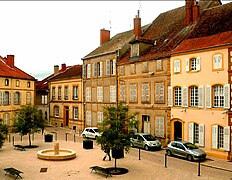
<point x="66" y="115"/>
<point x="146" y="124"/>
<point x="177" y="131"/>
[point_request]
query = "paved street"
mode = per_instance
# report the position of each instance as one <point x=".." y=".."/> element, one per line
<point x="151" y="165"/>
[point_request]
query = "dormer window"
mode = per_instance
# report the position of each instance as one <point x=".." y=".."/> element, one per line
<point x="135" y="50"/>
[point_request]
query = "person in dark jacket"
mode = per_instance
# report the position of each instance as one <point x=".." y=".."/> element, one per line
<point x="107" y="153"/>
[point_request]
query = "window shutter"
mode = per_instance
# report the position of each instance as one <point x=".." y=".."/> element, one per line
<point x="95" y="69"/>
<point x="198" y="64"/>
<point x="227" y="96"/>
<point x="88" y="70"/>
<point x="1" y="98"/>
<point x="187" y="65"/>
<point x="100" y="69"/>
<point x="215" y="136"/>
<point x="191" y="132"/>
<point x="84" y="70"/>
<point x="184" y="96"/>
<point x="20" y="98"/>
<point x="208" y="96"/>
<point x="15" y="99"/>
<point x="114" y="66"/>
<point x="107" y="67"/>
<point x="201" y="135"/>
<point x="201" y="96"/>
<point x="143" y="92"/>
<point x="10" y="98"/>
<point x="176" y="66"/>
<point x="169" y="96"/>
<point x="226" y="145"/>
<point x="112" y="94"/>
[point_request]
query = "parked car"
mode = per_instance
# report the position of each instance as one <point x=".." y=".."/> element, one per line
<point x="146" y="141"/>
<point x="91" y="132"/>
<point x="185" y="149"/>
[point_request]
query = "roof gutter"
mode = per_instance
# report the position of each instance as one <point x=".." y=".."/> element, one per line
<point x="102" y="54"/>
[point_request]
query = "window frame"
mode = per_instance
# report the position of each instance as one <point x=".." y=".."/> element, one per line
<point x="56" y="111"/>
<point x="177" y="96"/>
<point x="194" y="96"/>
<point x="75" y="113"/>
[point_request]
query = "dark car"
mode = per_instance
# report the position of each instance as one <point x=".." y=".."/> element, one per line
<point x="186" y="150"/>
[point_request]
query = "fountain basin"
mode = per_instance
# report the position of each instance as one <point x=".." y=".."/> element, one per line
<point x="49" y="154"/>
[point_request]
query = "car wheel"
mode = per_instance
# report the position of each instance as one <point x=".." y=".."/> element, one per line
<point x="189" y="157"/>
<point x="169" y="153"/>
<point x="84" y="136"/>
<point x="146" y="147"/>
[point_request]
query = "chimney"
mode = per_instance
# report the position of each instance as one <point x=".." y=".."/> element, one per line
<point x="188" y="11"/>
<point x="63" y="67"/>
<point x="104" y="36"/>
<point x="56" y="69"/>
<point x="137" y="26"/>
<point x="195" y="11"/>
<point x="10" y="60"/>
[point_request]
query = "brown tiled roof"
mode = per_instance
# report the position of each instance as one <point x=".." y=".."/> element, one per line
<point x="13" y="72"/>
<point x="70" y="72"/>
<point x="114" y="43"/>
<point x="167" y="31"/>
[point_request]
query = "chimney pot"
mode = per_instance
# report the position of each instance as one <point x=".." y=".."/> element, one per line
<point x="137" y="26"/>
<point x="63" y="67"/>
<point x="56" y="69"/>
<point x="104" y="36"/>
<point x="10" y="60"/>
<point x="188" y="11"/>
<point x="195" y="11"/>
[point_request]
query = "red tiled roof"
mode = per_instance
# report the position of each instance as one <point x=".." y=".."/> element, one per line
<point x="13" y="72"/>
<point x="215" y="40"/>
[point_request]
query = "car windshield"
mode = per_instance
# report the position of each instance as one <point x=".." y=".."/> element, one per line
<point x="190" y="146"/>
<point x="149" y="137"/>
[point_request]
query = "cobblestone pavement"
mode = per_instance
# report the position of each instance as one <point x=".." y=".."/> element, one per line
<point x="151" y="165"/>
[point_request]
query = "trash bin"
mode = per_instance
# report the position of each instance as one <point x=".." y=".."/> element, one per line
<point x="87" y="144"/>
<point x="48" y="138"/>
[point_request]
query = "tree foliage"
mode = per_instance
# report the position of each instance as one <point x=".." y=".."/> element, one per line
<point x="28" y="120"/>
<point x="117" y="127"/>
<point x="3" y="132"/>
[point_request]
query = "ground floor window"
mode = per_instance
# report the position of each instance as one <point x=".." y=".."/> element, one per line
<point x="196" y="133"/>
<point x="221" y="137"/>
<point x="159" y="126"/>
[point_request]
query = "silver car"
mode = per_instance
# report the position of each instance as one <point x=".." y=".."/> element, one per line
<point x="185" y="149"/>
<point x="146" y="141"/>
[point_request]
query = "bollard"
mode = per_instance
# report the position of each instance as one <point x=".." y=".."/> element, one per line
<point x="199" y="168"/>
<point x="165" y="160"/>
<point x="13" y="140"/>
<point x="21" y="138"/>
<point x="139" y="154"/>
<point x="74" y="137"/>
<point x="9" y="137"/>
<point x="66" y="137"/>
<point x="56" y="136"/>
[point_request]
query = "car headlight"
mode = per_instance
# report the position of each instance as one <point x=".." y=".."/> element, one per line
<point x="196" y="154"/>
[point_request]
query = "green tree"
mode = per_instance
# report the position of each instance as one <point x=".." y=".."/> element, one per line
<point x="28" y="120"/>
<point x="3" y="132"/>
<point x="117" y="128"/>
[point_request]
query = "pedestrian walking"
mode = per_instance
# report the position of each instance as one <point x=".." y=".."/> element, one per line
<point x="107" y="153"/>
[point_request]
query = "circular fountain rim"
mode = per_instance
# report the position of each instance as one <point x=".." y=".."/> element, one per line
<point x="56" y="157"/>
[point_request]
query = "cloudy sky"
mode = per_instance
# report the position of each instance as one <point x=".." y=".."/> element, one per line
<point x="42" y="34"/>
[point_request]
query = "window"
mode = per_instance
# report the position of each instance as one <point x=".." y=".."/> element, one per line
<point x="17" y="83"/>
<point x="111" y="67"/>
<point x="75" y="92"/>
<point x="196" y="133"/>
<point x="16" y="98"/>
<point x="132" y="69"/>
<point x="88" y="70"/>
<point x="133" y="93"/>
<point x="122" y="93"/>
<point x="44" y="99"/>
<point x="159" y="92"/>
<point x="218" y="97"/>
<point x="112" y="93"/>
<point x="28" y="98"/>
<point x="75" y="113"/>
<point x="99" y="69"/>
<point x="217" y="61"/>
<point x="145" y="92"/>
<point x="159" y="65"/>
<point x="59" y="93"/>
<point x="7" y="118"/>
<point x="176" y="65"/>
<point x="66" y="92"/>
<point x="28" y="84"/>
<point x="88" y="94"/>
<point x="6" y="98"/>
<point x="134" y="50"/>
<point x="100" y="117"/>
<point x="221" y="137"/>
<point x="88" y="118"/>
<point x="6" y="82"/>
<point x="53" y="93"/>
<point x="159" y="126"/>
<point x="56" y="111"/>
<point x="193" y="64"/>
<point x="177" y="96"/>
<point x="122" y="70"/>
<point x="99" y="94"/>
<point x="145" y="67"/>
<point x="194" y="96"/>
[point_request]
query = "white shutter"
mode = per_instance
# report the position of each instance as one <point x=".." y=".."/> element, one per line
<point x="215" y="136"/>
<point x="187" y="65"/>
<point x="114" y="66"/>
<point x="112" y="93"/>
<point x="95" y="69"/>
<point x="169" y="96"/>
<point x="15" y="99"/>
<point x="107" y="67"/>
<point x="201" y="135"/>
<point x="100" y="69"/>
<point x="208" y="96"/>
<point x="191" y="132"/>
<point x="201" y="96"/>
<point x="227" y="96"/>
<point x="184" y="96"/>
<point x="226" y="143"/>
<point x="143" y="92"/>
<point x="176" y="66"/>
<point x="198" y="63"/>
<point x="83" y="70"/>
<point x="88" y="70"/>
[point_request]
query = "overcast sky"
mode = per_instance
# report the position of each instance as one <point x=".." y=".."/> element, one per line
<point x="42" y="34"/>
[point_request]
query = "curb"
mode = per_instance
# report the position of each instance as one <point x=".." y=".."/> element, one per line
<point x="216" y="167"/>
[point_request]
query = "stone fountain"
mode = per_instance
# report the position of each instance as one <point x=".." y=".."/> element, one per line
<point x="56" y="154"/>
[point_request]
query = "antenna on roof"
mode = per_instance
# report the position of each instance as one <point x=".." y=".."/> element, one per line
<point x="110" y="19"/>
